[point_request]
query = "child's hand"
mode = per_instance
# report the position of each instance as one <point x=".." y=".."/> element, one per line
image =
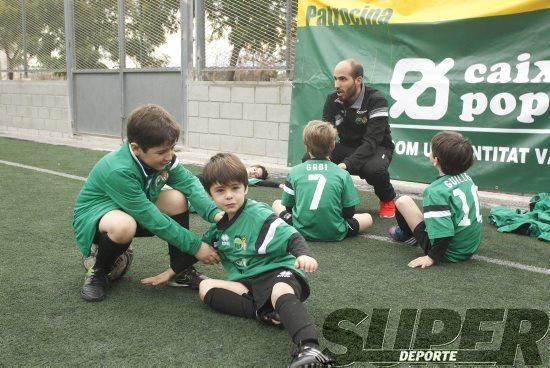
<point x="207" y="254"/>
<point x="219" y="216"/>
<point x="306" y="263"/>
<point x="422" y="262"/>
<point x="160" y="279"/>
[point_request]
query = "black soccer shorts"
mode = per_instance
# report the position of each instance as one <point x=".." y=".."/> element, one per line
<point x="260" y="287"/>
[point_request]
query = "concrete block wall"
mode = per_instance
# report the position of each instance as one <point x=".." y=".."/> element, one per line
<point x="246" y="118"/>
<point x="35" y="108"/>
<point x="249" y="119"/>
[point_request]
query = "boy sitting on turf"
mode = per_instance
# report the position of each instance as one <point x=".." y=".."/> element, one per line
<point x="122" y="199"/>
<point x="449" y="227"/>
<point x="319" y="197"/>
<point x="265" y="260"/>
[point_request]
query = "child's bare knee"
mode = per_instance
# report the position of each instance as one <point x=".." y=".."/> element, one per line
<point x="204" y="288"/>
<point x="279" y="289"/>
<point x="172" y="202"/>
<point x="365" y="222"/>
<point x="124" y="230"/>
<point x="403" y="201"/>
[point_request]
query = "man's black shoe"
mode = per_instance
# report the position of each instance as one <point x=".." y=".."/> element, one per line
<point x="95" y="284"/>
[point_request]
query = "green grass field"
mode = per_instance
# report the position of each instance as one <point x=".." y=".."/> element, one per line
<point x="44" y="322"/>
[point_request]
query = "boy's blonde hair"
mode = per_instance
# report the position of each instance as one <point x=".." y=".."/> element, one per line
<point x="224" y="168"/>
<point x="319" y="138"/>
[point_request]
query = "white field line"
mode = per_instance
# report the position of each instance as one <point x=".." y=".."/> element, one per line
<point x="496" y="261"/>
<point x="43" y="170"/>
<point x="499" y="262"/>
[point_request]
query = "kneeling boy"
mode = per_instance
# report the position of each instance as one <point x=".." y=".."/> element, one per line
<point x="122" y="199"/>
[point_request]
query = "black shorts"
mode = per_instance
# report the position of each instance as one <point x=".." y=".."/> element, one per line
<point x="260" y="287"/>
<point x="421" y="236"/>
<point x="353" y="227"/>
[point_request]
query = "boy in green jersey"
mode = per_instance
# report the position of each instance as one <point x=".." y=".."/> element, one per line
<point x="122" y="199"/>
<point x="265" y="259"/>
<point x="449" y="226"/>
<point x="319" y="197"/>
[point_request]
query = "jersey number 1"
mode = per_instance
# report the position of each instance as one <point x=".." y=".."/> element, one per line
<point x="321" y="181"/>
<point x="465" y="208"/>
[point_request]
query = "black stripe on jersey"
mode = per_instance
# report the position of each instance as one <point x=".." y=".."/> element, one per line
<point x="436" y="208"/>
<point x="264" y="230"/>
<point x="288" y="185"/>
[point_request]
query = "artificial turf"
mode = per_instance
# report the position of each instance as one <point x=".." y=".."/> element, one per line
<point x="44" y="322"/>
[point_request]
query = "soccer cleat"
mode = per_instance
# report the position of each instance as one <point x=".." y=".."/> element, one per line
<point x="307" y="356"/>
<point x="120" y="267"/>
<point x="189" y="277"/>
<point x="398" y="235"/>
<point x="387" y="209"/>
<point x="95" y="283"/>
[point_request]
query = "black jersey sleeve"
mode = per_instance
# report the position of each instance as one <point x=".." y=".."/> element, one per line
<point x="438" y="249"/>
<point x="348" y="212"/>
<point x="297" y="246"/>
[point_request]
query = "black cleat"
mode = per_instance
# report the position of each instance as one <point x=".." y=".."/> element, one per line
<point x="307" y="356"/>
<point x="398" y="235"/>
<point x="189" y="277"/>
<point x="95" y="284"/>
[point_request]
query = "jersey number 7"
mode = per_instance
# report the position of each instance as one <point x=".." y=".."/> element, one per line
<point x="321" y="181"/>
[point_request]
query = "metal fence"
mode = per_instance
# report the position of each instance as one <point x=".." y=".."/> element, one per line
<point x="233" y="39"/>
<point x="32" y="39"/>
<point x="246" y="39"/>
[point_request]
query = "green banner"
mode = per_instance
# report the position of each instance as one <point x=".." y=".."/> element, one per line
<point x="483" y="73"/>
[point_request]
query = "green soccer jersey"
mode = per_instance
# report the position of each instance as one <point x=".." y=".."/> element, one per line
<point x="119" y="181"/>
<point x="253" y="242"/>
<point x="451" y="209"/>
<point x="317" y="191"/>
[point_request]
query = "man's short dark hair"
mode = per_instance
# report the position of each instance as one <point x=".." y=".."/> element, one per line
<point x="356" y="68"/>
<point x="453" y="151"/>
<point x="224" y="168"/>
<point x="151" y="126"/>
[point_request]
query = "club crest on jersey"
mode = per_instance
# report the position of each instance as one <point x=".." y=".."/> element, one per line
<point x="361" y="117"/>
<point x="240" y="242"/>
<point x="338" y="120"/>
